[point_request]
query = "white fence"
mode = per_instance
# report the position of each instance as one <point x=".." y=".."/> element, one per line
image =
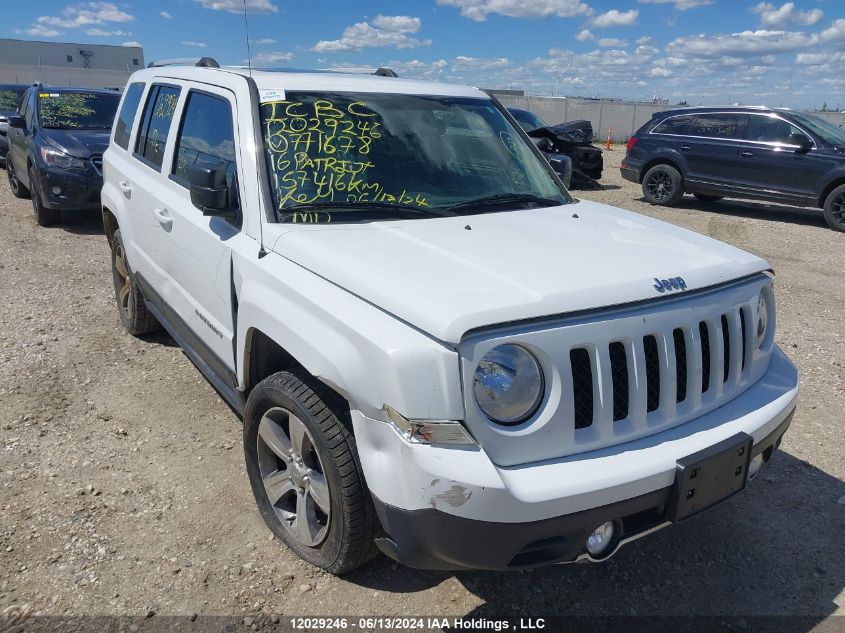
<point x="622" y="119"/>
<point x="58" y="76"/>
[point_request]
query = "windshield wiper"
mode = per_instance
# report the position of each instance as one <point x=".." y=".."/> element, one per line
<point x="504" y="198"/>
<point x="363" y="206"/>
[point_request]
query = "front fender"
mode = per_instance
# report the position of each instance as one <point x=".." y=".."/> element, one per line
<point x="369" y="356"/>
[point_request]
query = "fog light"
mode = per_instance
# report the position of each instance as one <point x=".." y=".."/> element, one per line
<point x="57" y="191"/>
<point x="754" y="466"/>
<point x="600" y="541"/>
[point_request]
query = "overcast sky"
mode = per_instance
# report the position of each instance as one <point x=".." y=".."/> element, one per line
<point x="702" y="51"/>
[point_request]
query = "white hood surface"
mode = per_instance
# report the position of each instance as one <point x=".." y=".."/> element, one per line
<point x="451" y="275"/>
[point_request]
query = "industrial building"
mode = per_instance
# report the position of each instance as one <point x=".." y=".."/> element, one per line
<point x="68" y="64"/>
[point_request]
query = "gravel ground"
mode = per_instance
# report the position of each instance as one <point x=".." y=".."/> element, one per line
<point x="124" y="490"/>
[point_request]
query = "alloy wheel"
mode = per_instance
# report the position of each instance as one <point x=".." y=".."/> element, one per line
<point x="14" y="185"/>
<point x="122" y="282"/>
<point x="659" y="185"/>
<point x="293" y="476"/>
<point x="837" y="209"/>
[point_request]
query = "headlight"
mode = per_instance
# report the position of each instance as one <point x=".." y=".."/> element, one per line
<point x="55" y="158"/>
<point x="762" y="326"/>
<point x="508" y="384"/>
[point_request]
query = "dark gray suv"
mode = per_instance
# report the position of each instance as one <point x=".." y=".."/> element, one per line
<point x="742" y="152"/>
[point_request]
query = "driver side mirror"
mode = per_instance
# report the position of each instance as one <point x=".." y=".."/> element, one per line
<point x="17" y="122"/>
<point x="801" y="140"/>
<point x="210" y="192"/>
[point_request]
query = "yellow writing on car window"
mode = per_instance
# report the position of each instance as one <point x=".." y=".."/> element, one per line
<point x="323" y="152"/>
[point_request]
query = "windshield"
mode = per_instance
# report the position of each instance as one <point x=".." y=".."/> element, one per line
<point x="77" y="110"/>
<point x="831" y="133"/>
<point x="528" y="120"/>
<point x="346" y="157"/>
<point x="9" y="98"/>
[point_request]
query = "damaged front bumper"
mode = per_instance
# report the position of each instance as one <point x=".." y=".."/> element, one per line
<point x="452" y="508"/>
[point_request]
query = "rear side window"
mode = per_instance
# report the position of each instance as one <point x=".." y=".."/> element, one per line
<point x="206" y="138"/>
<point x="123" y="125"/>
<point x="155" y="127"/>
<point x="674" y="125"/>
<point x="715" y="126"/>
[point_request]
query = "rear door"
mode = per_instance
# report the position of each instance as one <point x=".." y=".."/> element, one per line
<point x="148" y="222"/>
<point x="772" y="168"/>
<point x="197" y="249"/>
<point x="711" y="150"/>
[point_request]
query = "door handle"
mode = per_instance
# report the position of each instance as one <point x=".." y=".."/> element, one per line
<point x="125" y="187"/>
<point x="163" y="217"/>
<point x="748" y="154"/>
<point x="685" y="148"/>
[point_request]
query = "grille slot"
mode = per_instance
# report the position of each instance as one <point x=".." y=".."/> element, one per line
<point x="619" y="375"/>
<point x="726" y="344"/>
<point x="582" y="387"/>
<point x="652" y="371"/>
<point x="744" y="334"/>
<point x="680" y="365"/>
<point x="704" y="333"/>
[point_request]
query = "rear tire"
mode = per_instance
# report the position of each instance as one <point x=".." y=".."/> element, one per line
<point x="304" y="470"/>
<point x="707" y="198"/>
<point x="43" y="215"/>
<point x="131" y="308"/>
<point x="834" y="209"/>
<point x="18" y="190"/>
<point x="663" y="185"/>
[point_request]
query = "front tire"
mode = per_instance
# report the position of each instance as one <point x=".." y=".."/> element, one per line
<point x="131" y="308"/>
<point x="43" y="215"/>
<point x="305" y="474"/>
<point x="663" y="185"/>
<point x="834" y="209"/>
<point x="18" y="190"/>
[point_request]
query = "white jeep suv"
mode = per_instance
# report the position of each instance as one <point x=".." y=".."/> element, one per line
<point x="434" y="348"/>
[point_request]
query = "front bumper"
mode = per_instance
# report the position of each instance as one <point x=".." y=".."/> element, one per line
<point x="449" y="508"/>
<point x="78" y="190"/>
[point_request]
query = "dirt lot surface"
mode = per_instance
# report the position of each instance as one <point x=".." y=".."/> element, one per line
<point x="123" y="490"/>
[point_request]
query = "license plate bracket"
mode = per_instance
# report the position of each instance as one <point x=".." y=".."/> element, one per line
<point x="710" y="476"/>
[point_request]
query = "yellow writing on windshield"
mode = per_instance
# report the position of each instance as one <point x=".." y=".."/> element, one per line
<point x="324" y="152"/>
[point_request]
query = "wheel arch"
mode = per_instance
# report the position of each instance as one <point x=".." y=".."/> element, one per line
<point x="836" y="182"/>
<point x="662" y="160"/>
<point x="110" y="224"/>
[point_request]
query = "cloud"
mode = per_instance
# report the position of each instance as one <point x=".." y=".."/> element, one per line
<point x="615" y="17"/>
<point x="41" y="31"/>
<point x="478" y="10"/>
<point x="644" y="41"/>
<point x="385" y="31"/>
<point x="132" y="44"/>
<point x="680" y="5"/>
<point x="237" y="6"/>
<point x="745" y="44"/>
<point x="194" y="44"/>
<point x="166" y="15"/>
<point x="479" y="63"/>
<point x="264" y="41"/>
<point x="835" y="33"/>
<point x="585" y="35"/>
<point x="273" y="57"/>
<point x="85" y="14"/>
<point x="104" y="33"/>
<point x="657" y="71"/>
<point x="786" y="14"/>
<point x="612" y="42"/>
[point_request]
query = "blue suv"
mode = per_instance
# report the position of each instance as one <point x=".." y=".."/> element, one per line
<point x="756" y="153"/>
<point x="56" y="143"/>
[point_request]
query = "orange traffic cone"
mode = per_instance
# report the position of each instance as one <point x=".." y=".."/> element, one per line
<point x="609" y="137"/>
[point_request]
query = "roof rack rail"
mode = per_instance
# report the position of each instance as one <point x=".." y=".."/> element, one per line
<point x="385" y="72"/>
<point x="202" y="62"/>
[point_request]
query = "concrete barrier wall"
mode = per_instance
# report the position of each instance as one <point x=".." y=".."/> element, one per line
<point x="58" y="76"/>
<point x="623" y="118"/>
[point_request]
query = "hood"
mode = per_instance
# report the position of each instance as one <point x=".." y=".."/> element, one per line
<point x="578" y="132"/>
<point x="79" y="143"/>
<point x="447" y="276"/>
